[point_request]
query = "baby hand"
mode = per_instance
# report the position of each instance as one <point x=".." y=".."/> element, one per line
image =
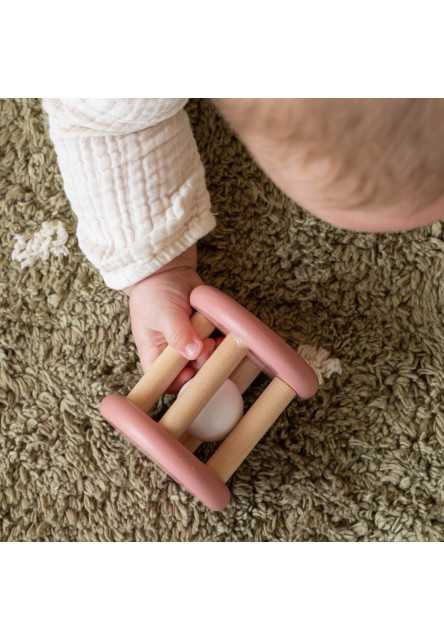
<point x="160" y="314"/>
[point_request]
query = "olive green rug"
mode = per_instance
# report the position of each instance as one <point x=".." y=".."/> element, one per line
<point x="362" y="461"/>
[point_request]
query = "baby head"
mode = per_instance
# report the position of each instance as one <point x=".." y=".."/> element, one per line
<point x="361" y="164"/>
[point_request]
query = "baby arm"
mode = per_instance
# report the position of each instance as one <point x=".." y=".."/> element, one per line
<point x="135" y="181"/>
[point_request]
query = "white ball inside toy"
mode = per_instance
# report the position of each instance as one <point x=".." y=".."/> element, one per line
<point x="220" y="415"/>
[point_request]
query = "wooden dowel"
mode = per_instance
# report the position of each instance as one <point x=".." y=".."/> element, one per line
<point x="244" y="374"/>
<point x="190" y="442"/>
<point x="165" y="369"/>
<point x="250" y="429"/>
<point x="203" y="386"/>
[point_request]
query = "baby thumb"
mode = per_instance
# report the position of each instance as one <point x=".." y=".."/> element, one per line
<point x="180" y="334"/>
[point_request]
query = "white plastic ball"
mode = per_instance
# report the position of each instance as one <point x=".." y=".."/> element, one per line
<point x="220" y="415"/>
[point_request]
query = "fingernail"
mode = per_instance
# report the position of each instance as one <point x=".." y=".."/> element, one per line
<point x="192" y="350"/>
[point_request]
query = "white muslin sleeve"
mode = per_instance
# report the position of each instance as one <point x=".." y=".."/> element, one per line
<point x="135" y="181"/>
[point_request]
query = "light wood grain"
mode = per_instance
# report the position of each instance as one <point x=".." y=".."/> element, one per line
<point x="250" y="429"/>
<point x="244" y="374"/>
<point x="165" y="369"/>
<point x="203" y="386"/>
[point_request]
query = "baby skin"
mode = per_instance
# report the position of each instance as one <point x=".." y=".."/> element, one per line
<point x="364" y="165"/>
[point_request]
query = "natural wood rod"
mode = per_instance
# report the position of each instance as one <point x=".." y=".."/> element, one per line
<point x="190" y="442"/>
<point x="250" y="429"/>
<point x="203" y="386"/>
<point x="244" y="374"/>
<point x="165" y="369"/>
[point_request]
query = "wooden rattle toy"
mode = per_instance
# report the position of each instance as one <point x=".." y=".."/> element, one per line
<point x="248" y="348"/>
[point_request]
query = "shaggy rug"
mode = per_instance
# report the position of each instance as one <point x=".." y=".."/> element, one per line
<point x="361" y="461"/>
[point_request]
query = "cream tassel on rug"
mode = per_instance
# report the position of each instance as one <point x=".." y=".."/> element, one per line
<point x="50" y="239"/>
<point x="320" y="361"/>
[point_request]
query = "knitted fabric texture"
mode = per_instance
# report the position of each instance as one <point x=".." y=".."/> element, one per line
<point x="361" y="461"/>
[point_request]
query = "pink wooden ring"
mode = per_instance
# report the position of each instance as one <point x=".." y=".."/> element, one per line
<point x="266" y="349"/>
<point x="165" y="451"/>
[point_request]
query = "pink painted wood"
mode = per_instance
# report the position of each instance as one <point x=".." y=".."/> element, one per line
<point x="270" y="352"/>
<point x="169" y="454"/>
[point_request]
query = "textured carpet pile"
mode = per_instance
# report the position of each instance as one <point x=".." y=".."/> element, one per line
<point x="362" y="461"/>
